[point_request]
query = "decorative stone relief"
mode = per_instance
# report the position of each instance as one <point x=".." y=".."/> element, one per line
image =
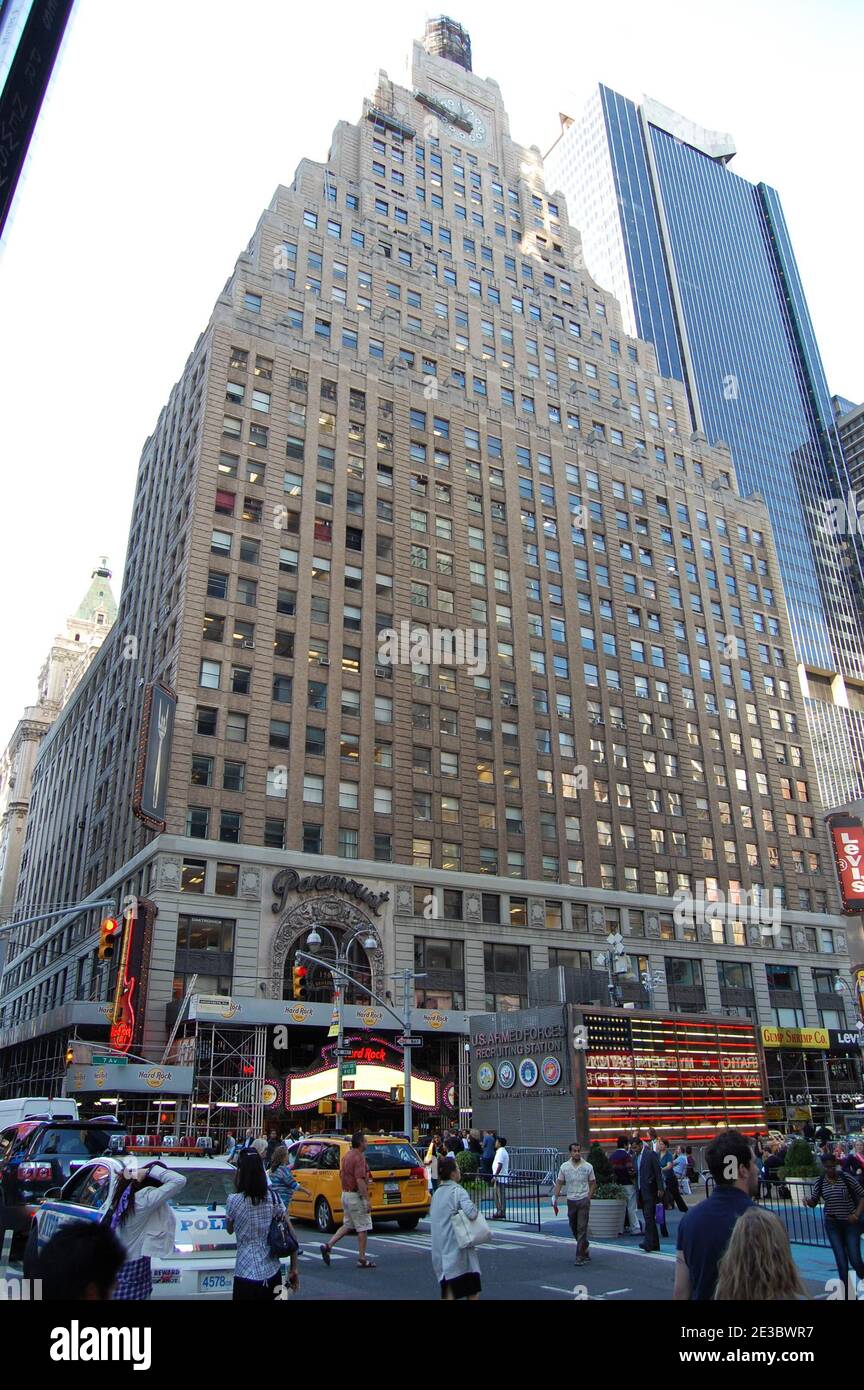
<point x="404" y="899"/>
<point x="704" y="931"/>
<point x="754" y="936"/>
<point x="597" y="920"/>
<point x="472" y="907"/>
<point x="537" y="912"/>
<point x="800" y="939"/>
<point x="341" y="917"/>
<point x="840" y="941"/>
<point x="168" y="873"/>
<point x="652" y="925"/>
<point x="250" y="883"/>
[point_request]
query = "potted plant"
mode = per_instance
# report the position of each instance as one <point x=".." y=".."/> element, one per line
<point x="608" y="1205"/>
<point x="800" y="1170"/>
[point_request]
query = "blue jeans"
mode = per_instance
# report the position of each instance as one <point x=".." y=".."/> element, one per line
<point x="845" y="1241"/>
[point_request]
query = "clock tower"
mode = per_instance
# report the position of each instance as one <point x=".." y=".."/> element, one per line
<point x="468" y="108"/>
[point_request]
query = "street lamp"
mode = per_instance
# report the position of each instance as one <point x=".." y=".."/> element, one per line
<point x="342" y="958"/>
<point x="339" y="974"/>
<point x="615" y="962"/>
<point x="840" y="986"/>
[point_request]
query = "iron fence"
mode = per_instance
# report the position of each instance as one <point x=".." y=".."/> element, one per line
<point x="516" y="1200"/>
<point x="804" y="1225"/>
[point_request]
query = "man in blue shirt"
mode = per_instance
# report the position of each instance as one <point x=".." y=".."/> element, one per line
<point x="704" y="1232"/>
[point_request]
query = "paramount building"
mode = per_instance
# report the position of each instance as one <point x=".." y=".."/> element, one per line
<point x="411" y="410"/>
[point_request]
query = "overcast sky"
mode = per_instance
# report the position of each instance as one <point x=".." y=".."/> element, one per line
<point x="169" y="125"/>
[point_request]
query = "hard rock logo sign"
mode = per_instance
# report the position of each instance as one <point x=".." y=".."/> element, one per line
<point x="298" y="1013"/>
<point x="435" y="1020"/>
<point x="370" y="1017"/>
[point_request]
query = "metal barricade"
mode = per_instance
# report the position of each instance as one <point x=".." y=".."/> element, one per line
<point x="537" y="1164"/>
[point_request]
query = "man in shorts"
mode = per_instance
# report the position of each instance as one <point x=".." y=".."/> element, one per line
<point x="356" y="1202"/>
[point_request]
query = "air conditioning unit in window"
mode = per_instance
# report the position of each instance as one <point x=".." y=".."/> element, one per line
<point x="507" y="700"/>
<point x="323" y="661"/>
<point x="247" y="645"/>
<point x="384" y="671"/>
<point x="597" y="720"/>
<point x="781" y="759"/>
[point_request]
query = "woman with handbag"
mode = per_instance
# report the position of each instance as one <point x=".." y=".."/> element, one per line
<point x="256" y="1215"/>
<point x="457" y="1229"/>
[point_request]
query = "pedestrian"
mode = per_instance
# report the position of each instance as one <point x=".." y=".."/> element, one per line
<point x="703" y="1234"/>
<point x="231" y="1147"/>
<point x="487" y="1153"/>
<point x="692" y="1175"/>
<point x="500" y="1177"/>
<point x="260" y="1145"/>
<point x="649" y="1190"/>
<point x="853" y="1163"/>
<point x="80" y="1263"/>
<point x="576" y="1176"/>
<point x="356" y="1202"/>
<point x="431" y="1160"/>
<point x="273" y="1142"/>
<point x="672" y="1193"/>
<point x="144" y="1223"/>
<point x="624" y="1173"/>
<point x="457" y="1270"/>
<point x="249" y="1212"/>
<point x="758" y="1264"/>
<point x="475" y="1143"/>
<point x="843" y="1199"/>
<point x="681" y="1169"/>
<point x="279" y="1175"/>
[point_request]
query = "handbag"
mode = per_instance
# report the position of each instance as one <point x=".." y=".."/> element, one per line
<point x="470" y="1233"/>
<point x="281" y="1240"/>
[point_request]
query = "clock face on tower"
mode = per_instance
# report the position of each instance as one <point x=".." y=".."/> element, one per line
<point x="478" y="134"/>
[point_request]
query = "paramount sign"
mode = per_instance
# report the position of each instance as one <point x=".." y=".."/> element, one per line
<point x="289" y="881"/>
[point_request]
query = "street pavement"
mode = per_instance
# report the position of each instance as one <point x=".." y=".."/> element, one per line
<point x="518" y="1264"/>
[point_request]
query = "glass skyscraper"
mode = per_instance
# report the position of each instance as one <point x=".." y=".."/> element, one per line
<point x="702" y="263"/>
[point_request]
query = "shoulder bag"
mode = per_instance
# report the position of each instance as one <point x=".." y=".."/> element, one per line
<point x="281" y="1240"/>
<point x="469" y="1234"/>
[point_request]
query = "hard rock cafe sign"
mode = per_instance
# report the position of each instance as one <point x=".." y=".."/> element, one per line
<point x="289" y="881"/>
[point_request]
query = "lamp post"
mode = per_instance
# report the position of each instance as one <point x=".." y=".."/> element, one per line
<point x="614" y="961"/>
<point x="341" y="951"/>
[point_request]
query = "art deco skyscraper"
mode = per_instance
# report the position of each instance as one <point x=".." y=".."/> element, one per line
<point x="406" y="408"/>
<point x="702" y="264"/>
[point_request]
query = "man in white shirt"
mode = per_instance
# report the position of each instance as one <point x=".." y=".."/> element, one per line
<point x="500" y="1176"/>
<point x="576" y="1176"/>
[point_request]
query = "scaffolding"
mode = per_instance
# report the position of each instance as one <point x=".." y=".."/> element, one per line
<point x="230" y="1072"/>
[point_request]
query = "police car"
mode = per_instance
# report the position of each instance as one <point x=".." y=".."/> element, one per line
<point x="202" y="1265"/>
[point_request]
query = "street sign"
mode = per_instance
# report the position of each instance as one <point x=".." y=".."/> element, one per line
<point x="349" y="1068"/>
<point x="406" y="1040"/>
<point x="342" y="1051"/>
<point x="100" y="1061"/>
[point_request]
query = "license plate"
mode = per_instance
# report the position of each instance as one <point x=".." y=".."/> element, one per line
<point x="391" y="1192"/>
<point x="211" y="1283"/>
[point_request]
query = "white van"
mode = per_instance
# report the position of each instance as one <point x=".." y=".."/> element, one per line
<point x="19" y="1108"/>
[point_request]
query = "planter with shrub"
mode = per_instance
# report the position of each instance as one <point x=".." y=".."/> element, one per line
<point x="800" y="1170"/>
<point x="606" y="1216"/>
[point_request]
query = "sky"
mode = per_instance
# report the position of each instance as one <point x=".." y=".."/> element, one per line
<point x="167" y="128"/>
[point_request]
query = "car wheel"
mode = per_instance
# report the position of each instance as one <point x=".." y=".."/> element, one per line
<point x="408" y="1223"/>
<point x="324" y="1217"/>
<point x="31" y="1255"/>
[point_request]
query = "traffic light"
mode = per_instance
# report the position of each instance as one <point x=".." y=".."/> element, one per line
<point x="108" y="934"/>
<point x="397" y="1094"/>
<point x="70" y="1054"/>
<point x="299" y="988"/>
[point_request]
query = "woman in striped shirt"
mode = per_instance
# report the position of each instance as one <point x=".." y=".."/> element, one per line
<point x="843" y="1199"/>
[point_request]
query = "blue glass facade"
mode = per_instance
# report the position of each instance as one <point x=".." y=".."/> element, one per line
<point x="714" y="285"/>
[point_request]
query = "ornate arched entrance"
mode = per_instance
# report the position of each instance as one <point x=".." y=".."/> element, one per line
<point x="343" y="920"/>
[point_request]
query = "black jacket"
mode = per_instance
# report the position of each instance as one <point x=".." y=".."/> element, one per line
<point x="650" y="1174"/>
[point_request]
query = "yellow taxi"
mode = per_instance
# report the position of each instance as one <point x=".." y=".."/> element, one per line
<point x="398" y="1187"/>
